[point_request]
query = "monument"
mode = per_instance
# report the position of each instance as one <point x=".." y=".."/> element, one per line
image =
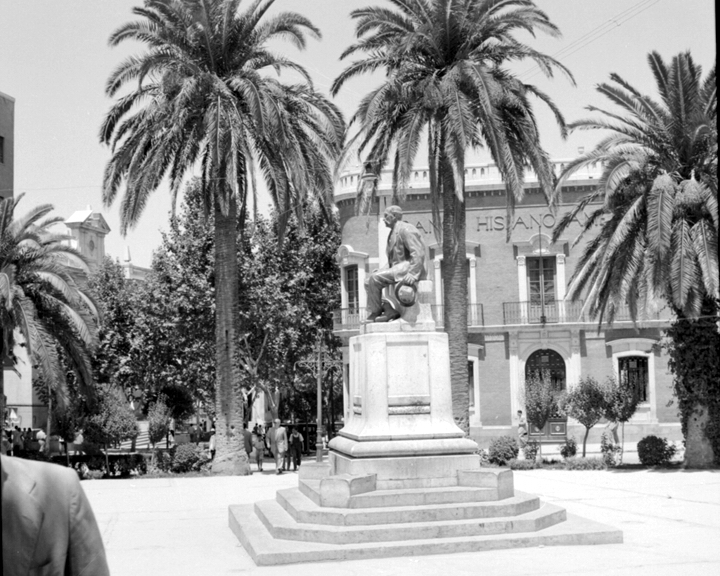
<point x="402" y="479"/>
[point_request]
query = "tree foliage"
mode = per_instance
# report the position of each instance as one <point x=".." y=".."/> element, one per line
<point x="111" y="421"/>
<point x="447" y="81"/>
<point x="540" y="400"/>
<point x="158" y="421"/>
<point x="587" y="403"/>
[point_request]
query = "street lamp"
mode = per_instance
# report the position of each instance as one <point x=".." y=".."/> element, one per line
<point x="317" y="366"/>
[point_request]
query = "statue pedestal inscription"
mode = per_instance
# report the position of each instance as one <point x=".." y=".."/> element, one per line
<point x="401" y="427"/>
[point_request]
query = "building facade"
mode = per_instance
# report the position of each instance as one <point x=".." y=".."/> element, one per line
<point x="519" y="322"/>
<point x="7" y="145"/>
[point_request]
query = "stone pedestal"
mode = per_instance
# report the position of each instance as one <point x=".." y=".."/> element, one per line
<point x="401" y="426"/>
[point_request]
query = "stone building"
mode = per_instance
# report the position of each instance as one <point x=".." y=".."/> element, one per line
<point x="518" y="319"/>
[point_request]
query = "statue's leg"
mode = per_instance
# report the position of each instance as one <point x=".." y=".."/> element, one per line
<point x="376" y="282"/>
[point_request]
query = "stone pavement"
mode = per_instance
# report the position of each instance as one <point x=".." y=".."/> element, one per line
<point x="179" y="527"/>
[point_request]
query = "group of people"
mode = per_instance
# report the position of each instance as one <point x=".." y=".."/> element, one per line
<point x="285" y="449"/>
<point x="19" y="440"/>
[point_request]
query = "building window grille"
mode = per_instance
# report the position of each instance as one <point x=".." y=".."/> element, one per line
<point x="633" y="374"/>
<point x="353" y="290"/>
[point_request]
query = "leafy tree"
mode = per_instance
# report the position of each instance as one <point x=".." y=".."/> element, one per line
<point x="587" y="403"/>
<point x="622" y="402"/>
<point x="119" y="303"/>
<point x="446" y="79"/>
<point x="200" y="96"/>
<point x="539" y="399"/>
<point x="109" y="422"/>
<point x="659" y="217"/>
<point x="43" y="296"/>
<point x="287" y="301"/>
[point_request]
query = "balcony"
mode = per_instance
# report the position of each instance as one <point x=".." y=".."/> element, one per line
<point x="556" y="312"/>
<point x="348" y="319"/>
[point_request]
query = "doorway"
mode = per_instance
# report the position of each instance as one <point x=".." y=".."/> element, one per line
<point x="549" y="364"/>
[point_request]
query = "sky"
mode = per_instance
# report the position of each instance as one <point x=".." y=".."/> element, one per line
<point x="55" y="60"/>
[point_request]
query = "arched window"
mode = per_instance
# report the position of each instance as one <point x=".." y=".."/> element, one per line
<point x="482" y="171"/>
<point x="474" y="172"/>
<point x="547" y="362"/>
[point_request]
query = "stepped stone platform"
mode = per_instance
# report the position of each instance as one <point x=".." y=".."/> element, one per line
<point x="346" y="517"/>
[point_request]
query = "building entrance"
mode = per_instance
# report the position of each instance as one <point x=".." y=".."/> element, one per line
<point x="548" y="364"/>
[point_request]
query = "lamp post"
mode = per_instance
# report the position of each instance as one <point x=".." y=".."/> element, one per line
<point x="318" y="366"/>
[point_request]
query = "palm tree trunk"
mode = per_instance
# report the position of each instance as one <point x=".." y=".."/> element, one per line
<point x="230" y="456"/>
<point x="455" y="295"/>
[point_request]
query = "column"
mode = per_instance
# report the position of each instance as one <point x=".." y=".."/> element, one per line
<point x="522" y="289"/>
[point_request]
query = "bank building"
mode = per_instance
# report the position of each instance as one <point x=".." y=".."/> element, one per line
<point x="518" y="319"/>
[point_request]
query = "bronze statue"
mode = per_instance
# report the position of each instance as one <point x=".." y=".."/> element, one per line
<point x="406" y="265"/>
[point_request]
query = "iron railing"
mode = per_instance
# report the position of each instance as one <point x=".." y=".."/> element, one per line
<point x="553" y="312"/>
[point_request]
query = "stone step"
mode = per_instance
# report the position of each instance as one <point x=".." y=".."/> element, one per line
<point x="407" y="496"/>
<point x="266" y="550"/>
<point x="304" y="510"/>
<point x="283" y="526"/>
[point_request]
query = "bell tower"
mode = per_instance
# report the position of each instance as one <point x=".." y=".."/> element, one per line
<point x="88" y="230"/>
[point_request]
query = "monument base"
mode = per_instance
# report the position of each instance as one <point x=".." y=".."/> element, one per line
<point x="406" y="471"/>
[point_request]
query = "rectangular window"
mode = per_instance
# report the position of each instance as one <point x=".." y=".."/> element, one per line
<point x="633" y="373"/>
<point x="353" y="290"/>
<point x="541" y="279"/>
<point x="2" y="150"/>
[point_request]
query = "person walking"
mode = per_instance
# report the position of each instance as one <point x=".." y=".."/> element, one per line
<point x="278" y="444"/>
<point x="296" y="445"/>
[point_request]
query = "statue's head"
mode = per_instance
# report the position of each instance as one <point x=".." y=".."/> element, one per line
<point x="392" y="214"/>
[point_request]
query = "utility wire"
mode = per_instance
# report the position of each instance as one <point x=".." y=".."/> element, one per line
<point x="595" y="34"/>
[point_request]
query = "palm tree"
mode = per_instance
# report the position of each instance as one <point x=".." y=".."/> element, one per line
<point x="44" y="298"/>
<point x="200" y="97"/>
<point x="445" y="82"/>
<point x="659" y="217"/>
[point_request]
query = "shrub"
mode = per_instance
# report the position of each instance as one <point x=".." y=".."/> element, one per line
<point x="523" y="464"/>
<point x="502" y="450"/>
<point x="585" y="464"/>
<point x="531" y="449"/>
<point x="610" y="451"/>
<point x="654" y="451"/>
<point x="188" y="457"/>
<point x="569" y="449"/>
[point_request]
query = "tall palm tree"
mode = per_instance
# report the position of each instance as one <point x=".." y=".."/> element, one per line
<point x="659" y="217"/>
<point x="200" y="97"/>
<point x="446" y="82"/>
<point x="43" y="297"/>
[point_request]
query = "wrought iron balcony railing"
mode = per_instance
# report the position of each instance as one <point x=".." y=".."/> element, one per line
<point x="531" y="312"/>
<point x="350" y="318"/>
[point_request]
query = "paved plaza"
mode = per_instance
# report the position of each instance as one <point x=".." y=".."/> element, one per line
<point x="179" y="526"/>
